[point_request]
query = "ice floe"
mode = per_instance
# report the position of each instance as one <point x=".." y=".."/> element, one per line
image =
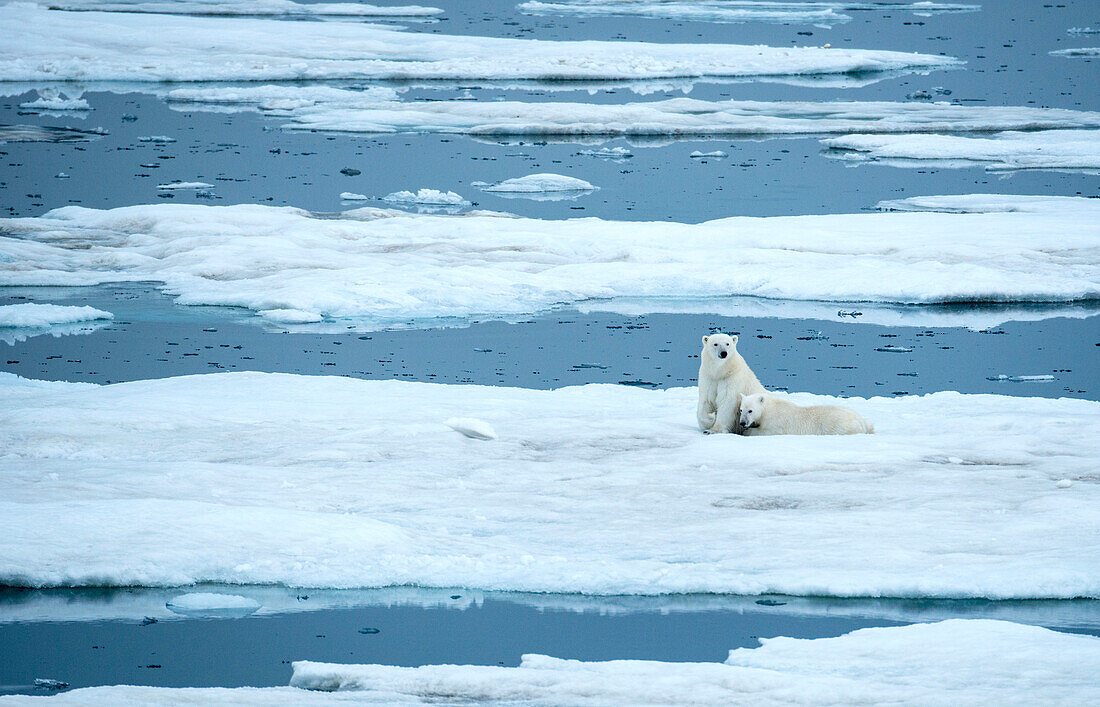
<point x="957" y="662"/>
<point x="212" y="604"/>
<point x="384" y="267"/>
<point x="41" y="315"/>
<point x="352" y="196"/>
<point x="46" y="133"/>
<point x="53" y="46"/>
<point x="820" y="13"/>
<point x="951" y="662"/>
<point x="333" y="109"/>
<point x="1050" y="149"/>
<point x="1077" y="52"/>
<point x="336" y="482"/>
<point x="992" y="203"/>
<point x="184" y="185"/>
<point x="540" y="183"/>
<point x="56" y="103"/>
<point x="426" y="196"/>
<point x="248" y="7"/>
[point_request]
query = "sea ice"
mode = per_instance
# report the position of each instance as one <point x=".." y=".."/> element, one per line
<point x="426" y="196"/>
<point x="46" y="133"/>
<point x="290" y="316"/>
<point x="44" y="315"/>
<point x="56" y="103"/>
<point x="820" y="13"/>
<point x="334" y="109"/>
<point x="715" y="154"/>
<point x="248" y="478"/>
<point x="352" y="196"/>
<point x="247" y="7"/>
<point x="185" y="185"/>
<point x="210" y="604"/>
<point x="992" y="203"/>
<point x="546" y="182"/>
<point x="479" y="266"/>
<point x="52" y="46"/>
<point x="1051" y="149"/>
<point x="617" y="153"/>
<point x="1078" y="52"/>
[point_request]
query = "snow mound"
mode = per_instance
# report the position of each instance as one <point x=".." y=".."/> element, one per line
<point x="44" y="315"/>
<point x="471" y="427"/>
<point x="1052" y="149"/>
<point x="952" y="662"/>
<point x="251" y="478"/>
<point x="211" y="604"/>
<point x="136" y="47"/>
<point x="426" y="196"/>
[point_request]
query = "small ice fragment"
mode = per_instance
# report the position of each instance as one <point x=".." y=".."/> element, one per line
<point x="894" y="349"/>
<point x="212" y="604"/>
<point x="1064" y="484"/>
<point x="426" y="196"/>
<point x="614" y="153"/>
<point x="50" y="683"/>
<point x="156" y="138"/>
<point x="185" y="185"/>
<point x="851" y="313"/>
<point x="350" y="172"/>
<point x="715" y="154"/>
<point x="541" y="183"/>
<point x="60" y="175"/>
<point x="1002" y="378"/>
<point x="471" y="427"/>
<point x="290" y="316"/>
<point x="352" y="196"/>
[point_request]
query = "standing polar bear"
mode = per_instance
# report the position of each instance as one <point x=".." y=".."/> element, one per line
<point x="723" y="378"/>
<point x="763" y="414"/>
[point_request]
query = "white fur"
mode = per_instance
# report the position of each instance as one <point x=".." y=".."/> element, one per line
<point x="722" y="382"/>
<point x="763" y="414"/>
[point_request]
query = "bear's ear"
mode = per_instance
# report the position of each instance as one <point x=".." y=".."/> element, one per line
<point x="734" y="337"/>
<point x="705" y="339"/>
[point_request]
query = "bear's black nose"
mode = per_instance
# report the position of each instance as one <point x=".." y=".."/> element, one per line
<point x="721" y="354"/>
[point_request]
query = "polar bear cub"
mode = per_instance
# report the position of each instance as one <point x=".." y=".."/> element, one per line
<point x="723" y="378"/>
<point x="763" y="414"/>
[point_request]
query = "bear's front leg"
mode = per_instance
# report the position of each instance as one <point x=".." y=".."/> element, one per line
<point x="726" y="420"/>
<point x="706" y="415"/>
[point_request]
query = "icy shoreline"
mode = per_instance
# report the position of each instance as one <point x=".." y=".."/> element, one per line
<point x="249" y="478"/>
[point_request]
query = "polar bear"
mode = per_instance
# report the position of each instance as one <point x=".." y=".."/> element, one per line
<point x="723" y="378"/>
<point x="763" y="414"/>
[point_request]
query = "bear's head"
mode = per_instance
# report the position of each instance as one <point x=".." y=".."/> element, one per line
<point x="752" y="409"/>
<point x="719" y="346"/>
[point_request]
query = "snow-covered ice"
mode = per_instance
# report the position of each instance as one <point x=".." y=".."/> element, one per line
<point x="544" y="182"/>
<point x="290" y="316"/>
<point x="426" y="196"/>
<point x="951" y="662"/>
<point x="819" y="13"/>
<point x="56" y="103"/>
<point x="164" y="139"/>
<point x="379" y="111"/>
<point x="212" y="604"/>
<point x="471" y="427"/>
<point x="714" y="154"/>
<point x="92" y="46"/>
<point x="352" y="196"/>
<point x="617" y="153"/>
<point x="44" y="315"/>
<point x="1050" y="149"/>
<point x="248" y="7"/>
<point x="185" y="185"/>
<point x="360" y="264"/>
<point x="337" y="482"/>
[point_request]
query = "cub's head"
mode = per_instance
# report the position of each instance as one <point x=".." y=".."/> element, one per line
<point x="719" y="346"/>
<point x="752" y="409"/>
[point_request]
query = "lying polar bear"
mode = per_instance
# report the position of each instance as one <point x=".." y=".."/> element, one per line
<point x="763" y="414"/>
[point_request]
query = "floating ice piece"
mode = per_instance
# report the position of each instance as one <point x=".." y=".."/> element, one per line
<point x="1045" y="378"/>
<point x="44" y="315"/>
<point x="1051" y="149"/>
<point x="1083" y="30"/>
<point x="185" y="185"/>
<point x="248" y="7"/>
<point x="50" y="683"/>
<point x="352" y="196"/>
<point x="46" y="133"/>
<point x="952" y="662"/>
<point x="426" y="196"/>
<point x="52" y="46"/>
<point x="823" y="13"/>
<point x="545" y="182"/>
<point x="1078" y="52"/>
<point x="186" y="469"/>
<point x="471" y="427"/>
<point x="617" y="153"/>
<point x="56" y="102"/>
<point x="333" y="109"/>
<point x="716" y="154"/>
<point x="290" y="316"/>
<point x="991" y="203"/>
<point x="211" y="604"/>
<point x="360" y="265"/>
<point x="157" y="138"/>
